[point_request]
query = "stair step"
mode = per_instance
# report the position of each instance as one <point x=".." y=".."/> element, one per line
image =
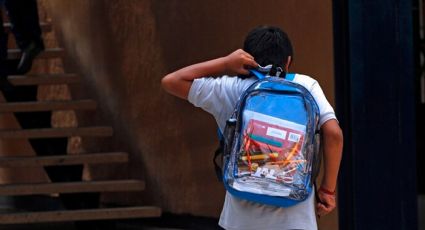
<point x="43" y="79"/>
<point x="45" y="27"/>
<point x="47" y="106"/>
<point x="71" y="187"/>
<point x="47" y="53"/>
<point x="57" y="132"/>
<point x="79" y="215"/>
<point x="88" y="158"/>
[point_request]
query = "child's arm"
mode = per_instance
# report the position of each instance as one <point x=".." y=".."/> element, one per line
<point x="178" y="83"/>
<point x="332" y="153"/>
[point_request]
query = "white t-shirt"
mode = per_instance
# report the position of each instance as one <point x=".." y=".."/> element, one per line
<point x="219" y="96"/>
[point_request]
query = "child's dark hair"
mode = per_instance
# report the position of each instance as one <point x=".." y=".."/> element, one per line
<point x="269" y="45"/>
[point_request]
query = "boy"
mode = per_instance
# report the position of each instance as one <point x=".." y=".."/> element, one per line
<point x="214" y="86"/>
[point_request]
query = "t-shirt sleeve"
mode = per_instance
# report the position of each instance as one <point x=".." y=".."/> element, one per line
<point x="207" y="93"/>
<point x="326" y="111"/>
<point x="218" y="96"/>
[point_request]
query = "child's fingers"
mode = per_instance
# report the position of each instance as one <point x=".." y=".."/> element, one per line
<point x="243" y="71"/>
<point x="249" y="55"/>
<point x="251" y="63"/>
<point x="322" y="209"/>
<point x="243" y="52"/>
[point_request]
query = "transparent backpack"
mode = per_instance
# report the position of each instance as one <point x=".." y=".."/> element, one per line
<point x="271" y="143"/>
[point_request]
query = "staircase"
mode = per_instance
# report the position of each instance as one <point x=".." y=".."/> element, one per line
<point x="62" y="159"/>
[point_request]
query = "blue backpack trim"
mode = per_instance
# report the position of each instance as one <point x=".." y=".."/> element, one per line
<point x="290" y="76"/>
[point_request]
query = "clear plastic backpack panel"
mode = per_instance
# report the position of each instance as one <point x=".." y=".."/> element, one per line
<point x="271" y="159"/>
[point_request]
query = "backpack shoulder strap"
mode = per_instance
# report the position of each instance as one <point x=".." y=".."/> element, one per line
<point x="219" y="153"/>
<point x="290" y="76"/>
<point x="257" y="74"/>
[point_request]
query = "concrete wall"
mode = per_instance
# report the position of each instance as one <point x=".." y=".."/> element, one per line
<point x="123" y="49"/>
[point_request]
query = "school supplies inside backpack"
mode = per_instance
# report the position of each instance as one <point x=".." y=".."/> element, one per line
<point x="270" y="153"/>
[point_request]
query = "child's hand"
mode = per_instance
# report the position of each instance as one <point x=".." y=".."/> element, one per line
<point x="326" y="203"/>
<point x="239" y="62"/>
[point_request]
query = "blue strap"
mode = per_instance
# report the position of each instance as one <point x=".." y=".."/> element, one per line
<point x="259" y="75"/>
<point x="290" y="76"/>
<point x="220" y="134"/>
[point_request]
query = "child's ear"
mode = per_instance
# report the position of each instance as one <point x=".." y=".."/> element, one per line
<point x="288" y="64"/>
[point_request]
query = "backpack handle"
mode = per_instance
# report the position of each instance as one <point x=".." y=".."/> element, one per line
<point x="261" y="76"/>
